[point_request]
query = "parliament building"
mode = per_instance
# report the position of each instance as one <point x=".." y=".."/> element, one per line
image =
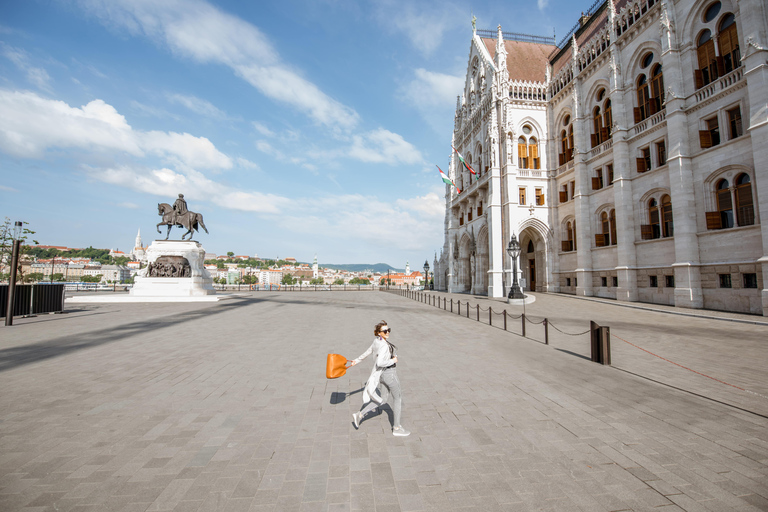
<point x="630" y="160"/>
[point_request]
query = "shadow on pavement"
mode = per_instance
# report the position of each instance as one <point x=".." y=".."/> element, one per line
<point x="17" y="356"/>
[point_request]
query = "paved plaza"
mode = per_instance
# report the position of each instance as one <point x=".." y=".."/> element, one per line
<point x="225" y="406"/>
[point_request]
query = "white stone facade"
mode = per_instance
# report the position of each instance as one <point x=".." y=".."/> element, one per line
<point x="639" y="145"/>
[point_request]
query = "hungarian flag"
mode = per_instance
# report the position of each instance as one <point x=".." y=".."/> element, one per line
<point x="464" y="162"/>
<point x="446" y="179"/>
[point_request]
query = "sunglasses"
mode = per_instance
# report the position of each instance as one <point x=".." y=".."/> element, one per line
<point x="386" y="330"/>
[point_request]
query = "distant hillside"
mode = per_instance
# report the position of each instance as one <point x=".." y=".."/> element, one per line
<point x="359" y="267"/>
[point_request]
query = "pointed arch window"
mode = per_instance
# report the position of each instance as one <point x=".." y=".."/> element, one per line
<point x="597" y="125"/>
<point x="745" y="211"/>
<point x="607" y="119"/>
<point x="728" y="43"/>
<point x="568" y="243"/>
<point x="657" y="89"/>
<point x="570" y="142"/>
<point x="533" y="153"/>
<point x="708" y="65"/>
<point x="667" y="226"/>
<point x="603" y="239"/>
<point x="612" y="223"/>
<point x="522" y="153"/>
<point x="724" y="204"/>
<point x="653" y="219"/>
<point x="643" y="99"/>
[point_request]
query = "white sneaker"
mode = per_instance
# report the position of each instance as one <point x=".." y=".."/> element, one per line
<point x="400" y="432"/>
<point x="356" y="419"/>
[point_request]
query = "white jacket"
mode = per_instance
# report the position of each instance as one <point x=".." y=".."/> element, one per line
<point x="382" y="359"/>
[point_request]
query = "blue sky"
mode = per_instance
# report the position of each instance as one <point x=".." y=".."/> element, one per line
<point x="295" y="127"/>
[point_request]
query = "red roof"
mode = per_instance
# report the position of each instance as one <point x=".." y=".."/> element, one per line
<point x="525" y="61"/>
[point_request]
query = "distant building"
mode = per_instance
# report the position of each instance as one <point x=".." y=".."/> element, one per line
<point x="139" y="252"/>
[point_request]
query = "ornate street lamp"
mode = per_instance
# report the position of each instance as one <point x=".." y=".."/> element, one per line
<point x="514" y="251"/>
<point x="12" y="277"/>
<point x="426" y="274"/>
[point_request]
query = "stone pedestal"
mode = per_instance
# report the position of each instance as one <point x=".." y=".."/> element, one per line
<point x="174" y="269"/>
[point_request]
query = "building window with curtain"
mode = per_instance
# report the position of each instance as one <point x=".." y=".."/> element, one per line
<point x="745" y="210"/>
<point x="734" y="122"/>
<point x="667" y="226"/>
<point x="705" y="53"/>
<point x="728" y="43"/>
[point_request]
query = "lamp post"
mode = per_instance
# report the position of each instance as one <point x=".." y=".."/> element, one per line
<point x="514" y="251"/>
<point x="12" y="277"/>
<point x="426" y="274"/>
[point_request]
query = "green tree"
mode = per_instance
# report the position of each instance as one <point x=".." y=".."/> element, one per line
<point x="339" y="281"/>
<point x="121" y="260"/>
<point x="129" y="280"/>
<point x="231" y="254"/>
<point x="91" y="279"/>
<point x="33" y="277"/>
<point x="250" y="279"/>
<point x="288" y="279"/>
<point x="57" y="277"/>
<point x="359" y="280"/>
<point x="317" y="280"/>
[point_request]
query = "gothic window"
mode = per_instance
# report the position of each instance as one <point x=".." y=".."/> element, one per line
<point x="745" y="211"/>
<point x="612" y="221"/>
<point x="734" y="122"/>
<point x="642" y="111"/>
<point x="724" y="204"/>
<point x="597" y="123"/>
<point x="539" y="197"/>
<point x="603" y="239"/>
<point x="522" y="153"/>
<point x="530" y="246"/>
<point x="705" y="52"/>
<point x="533" y="153"/>
<point x="657" y="89"/>
<point x="728" y="43"/>
<point x="521" y="191"/>
<point x="653" y="219"/>
<point x="667" y="226"/>
<point x="563" y="147"/>
<point x="607" y="118"/>
<point x="570" y="143"/>
<point x="609" y="174"/>
<point x="661" y="153"/>
<point x="568" y="243"/>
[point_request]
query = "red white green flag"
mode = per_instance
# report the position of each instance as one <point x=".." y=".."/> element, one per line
<point x="447" y="180"/>
<point x="464" y="162"/>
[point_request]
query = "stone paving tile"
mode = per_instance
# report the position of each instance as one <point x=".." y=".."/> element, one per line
<point x="191" y="407"/>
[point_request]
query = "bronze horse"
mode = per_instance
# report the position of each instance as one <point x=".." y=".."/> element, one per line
<point x="189" y="221"/>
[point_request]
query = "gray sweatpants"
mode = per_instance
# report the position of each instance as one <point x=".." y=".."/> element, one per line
<point x="391" y="386"/>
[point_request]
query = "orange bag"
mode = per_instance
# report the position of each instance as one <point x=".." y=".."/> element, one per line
<point x="335" y="367"/>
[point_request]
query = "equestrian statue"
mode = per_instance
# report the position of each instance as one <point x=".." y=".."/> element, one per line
<point x="179" y="215"/>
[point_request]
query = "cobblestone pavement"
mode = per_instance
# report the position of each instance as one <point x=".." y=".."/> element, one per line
<point x="225" y="406"/>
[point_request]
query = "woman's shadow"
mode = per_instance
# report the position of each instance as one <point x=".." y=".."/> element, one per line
<point x="338" y="397"/>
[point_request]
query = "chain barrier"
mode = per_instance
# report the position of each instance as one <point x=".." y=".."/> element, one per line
<point x="690" y="369"/>
<point x="435" y="301"/>
<point x="568" y="333"/>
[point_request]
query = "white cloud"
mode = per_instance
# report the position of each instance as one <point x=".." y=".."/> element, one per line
<point x="244" y="163"/>
<point x="197" y="105"/>
<point x="147" y="110"/>
<point x="429" y="205"/>
<point x="167" y="183"/>
<point x="432" y="89"/>
<point x="262" y="129"/>
<point x="38" y="76"/>
<point x="383" y="146"/>
<point x="130" y="206"/>
<point x="542" y="4"/>
<point x="198" y="30"/>
<point x="30" y="125"/>
<point x="423" y="24"/>
<point x="433" y="95"/>
<point x="8" y="189"/>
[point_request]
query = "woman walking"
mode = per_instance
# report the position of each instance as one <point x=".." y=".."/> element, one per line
<point x="384" y="372"/>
